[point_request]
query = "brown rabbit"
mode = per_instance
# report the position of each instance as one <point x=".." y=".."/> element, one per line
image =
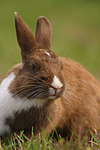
<point x="47" y="91"/>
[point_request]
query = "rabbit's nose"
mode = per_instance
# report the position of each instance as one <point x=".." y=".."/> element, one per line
<point x="56" y="83"/>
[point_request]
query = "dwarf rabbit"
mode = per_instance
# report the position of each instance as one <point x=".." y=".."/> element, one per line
<point x="46" y="91"/>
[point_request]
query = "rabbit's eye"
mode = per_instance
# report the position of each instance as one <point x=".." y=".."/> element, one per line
<point x="34" y="68"/>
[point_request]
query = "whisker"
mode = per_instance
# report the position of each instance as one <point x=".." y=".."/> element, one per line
<point x="64" y="97"/>
<point x="30" y="92"/>
<point x="66" y="51"/>
<point x="31" y="78"/>
<point x="79" y="88"/>
<point x="31" y="85"/>
<point x="28" y="86"/>
<point x="36" y="95"/>
<point x="21" y="92"/>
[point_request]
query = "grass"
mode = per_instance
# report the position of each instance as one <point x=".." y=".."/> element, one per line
<point x="76" y="34"/>
<point x="47" y="143"/>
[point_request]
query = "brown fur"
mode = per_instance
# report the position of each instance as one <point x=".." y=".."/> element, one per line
<point x="79" y="99"/>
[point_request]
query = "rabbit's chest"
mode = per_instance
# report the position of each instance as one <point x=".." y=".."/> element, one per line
<point x="25" y="120"/>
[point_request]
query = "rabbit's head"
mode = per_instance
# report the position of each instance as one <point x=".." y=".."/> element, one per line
<point x="40" y="74"/>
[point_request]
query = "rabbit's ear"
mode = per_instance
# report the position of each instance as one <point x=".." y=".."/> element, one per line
<point x="25" y="37"/>
<point x="43" y="33"/>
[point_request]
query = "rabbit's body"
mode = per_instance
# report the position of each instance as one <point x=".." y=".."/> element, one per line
<point x="47" y="91"/>
<point x="65" y="113"/>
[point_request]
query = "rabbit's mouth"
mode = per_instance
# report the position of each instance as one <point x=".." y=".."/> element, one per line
<point x="55" y="92"/>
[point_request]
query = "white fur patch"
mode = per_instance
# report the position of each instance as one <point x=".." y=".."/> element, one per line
<point x="5" y="103"/>
<point x="47" y="53"/>
<point x="9" y="104"/>
<point x="56" y="83"/>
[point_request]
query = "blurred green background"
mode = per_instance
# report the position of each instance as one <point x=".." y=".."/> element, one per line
<point x="75" y="24"/>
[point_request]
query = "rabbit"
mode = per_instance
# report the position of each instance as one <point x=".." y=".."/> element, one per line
<point x="45" y="91"/>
